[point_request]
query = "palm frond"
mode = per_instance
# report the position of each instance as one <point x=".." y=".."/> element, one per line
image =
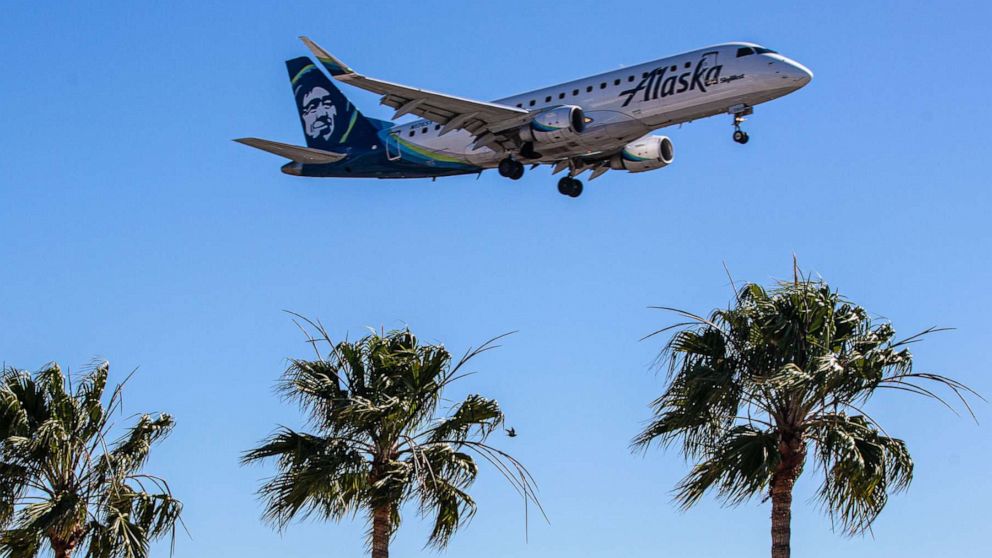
<point x="740" y="466"/>
<point x="475" y="413"/>
<point x="861" y="467"/>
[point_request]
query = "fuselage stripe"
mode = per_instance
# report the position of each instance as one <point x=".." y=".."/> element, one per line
<point x="428" y="153"/>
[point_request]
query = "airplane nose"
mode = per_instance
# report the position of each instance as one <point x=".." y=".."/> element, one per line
<point x="801" y="74"/>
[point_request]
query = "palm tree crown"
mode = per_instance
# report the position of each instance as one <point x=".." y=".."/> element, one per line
<point x="379" y="442"/>
<point x="64" y="485"/>
<point x="780" y="374"/>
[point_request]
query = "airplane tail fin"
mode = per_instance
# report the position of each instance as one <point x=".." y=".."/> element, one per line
<point x="330" y="121"/>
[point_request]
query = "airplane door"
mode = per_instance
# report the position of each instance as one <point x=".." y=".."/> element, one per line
<point x="392" y="147"/>
<point x="710" y="61"/>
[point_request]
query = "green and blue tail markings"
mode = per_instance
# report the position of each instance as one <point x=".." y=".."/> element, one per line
<point x="336" y="68"/>
<point x="330" y="122"/>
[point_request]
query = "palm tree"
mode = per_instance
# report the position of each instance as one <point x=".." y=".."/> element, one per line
<point x="64" y="485"/>
<point x="378" y="441"/>
<point x="782" y="375"/>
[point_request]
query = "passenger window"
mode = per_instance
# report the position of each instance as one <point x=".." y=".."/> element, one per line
<point x="673" y="69"/>
<point x="575" y="92"/>
<point x="520" y="105"/>
<point x="602" y="85"/>
<point x="423" y="131"/>
<point x="532" y="102"/>
<point x="561" y="95"/>
<point x="437" y="126"/>
<point x="616" y="82"/>
<point x="744" y="51"/>
<point x="589" y="89"/>
<point x="547" y="99"/>
<point x="688" y="64"/>
<point x="411" y="133"/>
<point x="631" y="78"/>
<point x="644" y="75"/>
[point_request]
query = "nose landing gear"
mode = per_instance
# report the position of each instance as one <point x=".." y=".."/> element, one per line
<point x="739" y="112"/>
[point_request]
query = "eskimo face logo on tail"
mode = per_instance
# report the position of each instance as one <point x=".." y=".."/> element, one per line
<point x="318" y="113"/>
<point x="666" y="81"/>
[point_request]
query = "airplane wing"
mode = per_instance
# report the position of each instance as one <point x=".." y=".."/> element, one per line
<point x="305" y="155"/>
<point x="488" y="122"/>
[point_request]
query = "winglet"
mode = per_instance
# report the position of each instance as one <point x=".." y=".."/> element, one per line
<point x="337" y="68"/>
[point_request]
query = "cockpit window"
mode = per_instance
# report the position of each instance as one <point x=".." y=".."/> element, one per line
<point x="748" y="51"/>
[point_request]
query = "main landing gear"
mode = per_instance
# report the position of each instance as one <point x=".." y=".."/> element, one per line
<point x="740" y="136"/>
<point x="511" y="169"/>
<point x="514" y="170"/>
<point x="570" y="186"/>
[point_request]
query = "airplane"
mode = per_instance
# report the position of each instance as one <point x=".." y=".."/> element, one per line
<point x="596" y="124"/>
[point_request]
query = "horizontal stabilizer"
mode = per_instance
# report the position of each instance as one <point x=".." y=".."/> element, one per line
<point x="305" y="155"/>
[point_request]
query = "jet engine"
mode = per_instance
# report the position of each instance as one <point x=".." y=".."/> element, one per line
<point x="554" y="125"/>
<point x="648" y="153"/>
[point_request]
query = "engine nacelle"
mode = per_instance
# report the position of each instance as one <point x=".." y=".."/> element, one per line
<point x="652" y="152"/>
<point x="554" y="125"/>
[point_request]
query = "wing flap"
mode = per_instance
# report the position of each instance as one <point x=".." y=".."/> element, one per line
<point x="305" y="155"/>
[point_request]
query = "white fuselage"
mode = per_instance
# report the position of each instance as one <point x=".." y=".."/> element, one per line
<point x="623" y="105"/>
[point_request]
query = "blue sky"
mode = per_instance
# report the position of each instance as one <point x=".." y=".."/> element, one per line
<point x="133" y="229"/>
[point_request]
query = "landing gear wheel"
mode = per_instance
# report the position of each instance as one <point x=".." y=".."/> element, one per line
<point x="576" y="188"/>
<point x="511" y="169"/>
<point x="741" y="136"/>
<point x="506" y="167"/>
<point x="569" y="186"/>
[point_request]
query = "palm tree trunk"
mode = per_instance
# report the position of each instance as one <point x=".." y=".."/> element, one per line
<point x="62" y="549"/>
<point x="381" y="528"/>
<point x="793" y="454"/>
<point x="781" y="518"/>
